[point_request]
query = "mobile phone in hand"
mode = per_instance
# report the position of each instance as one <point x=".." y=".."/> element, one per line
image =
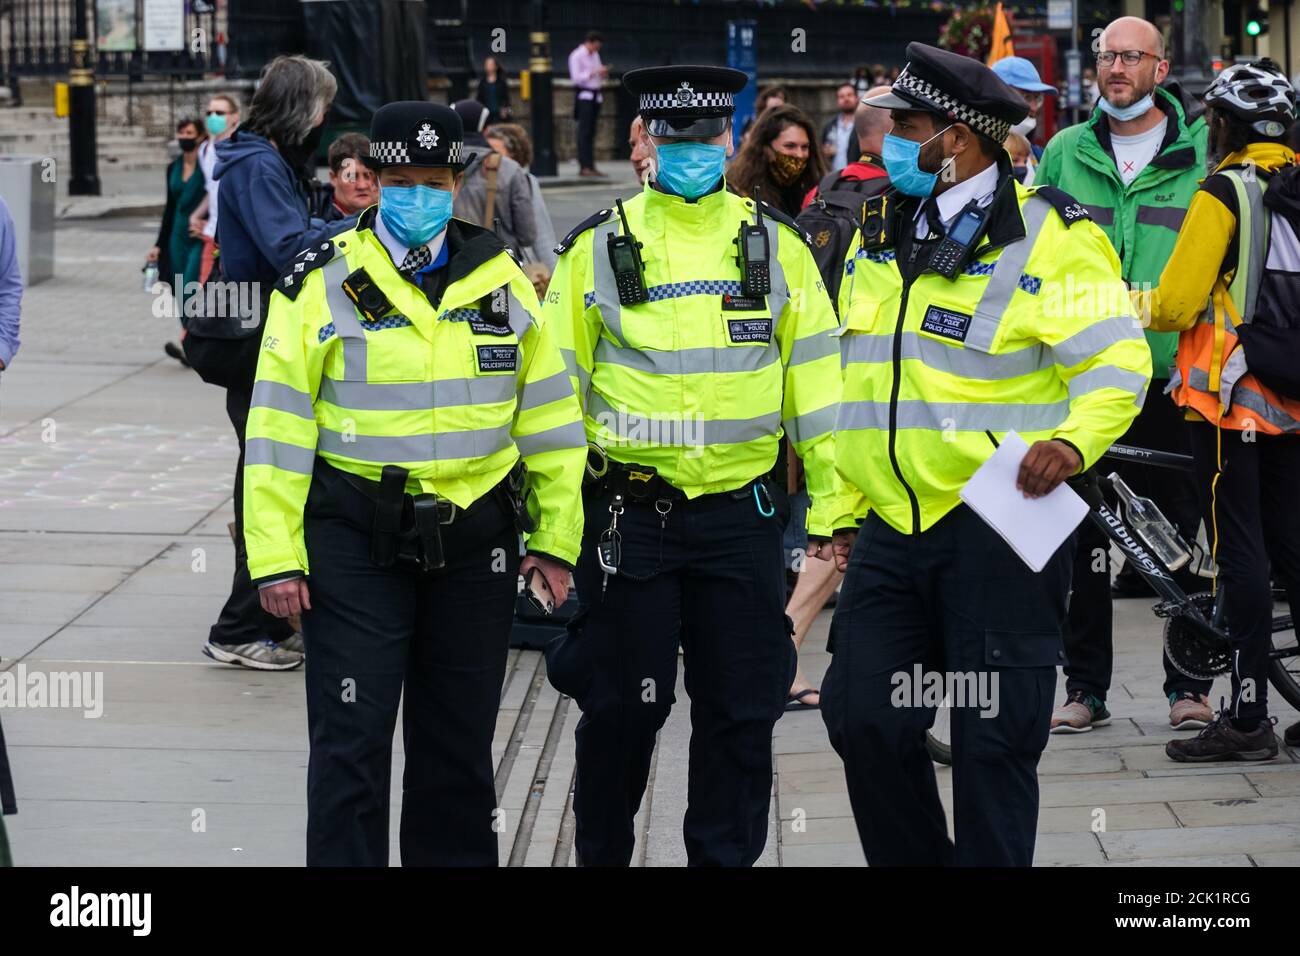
<point x="538" y="591"/>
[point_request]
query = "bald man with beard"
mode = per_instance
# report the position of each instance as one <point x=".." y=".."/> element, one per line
<point x="1135" y="164"/>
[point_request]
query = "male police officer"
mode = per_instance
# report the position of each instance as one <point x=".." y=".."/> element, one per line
<point x="404" y="374"/>
<point x="973" y="308"/>
<point x="698" y="328"/>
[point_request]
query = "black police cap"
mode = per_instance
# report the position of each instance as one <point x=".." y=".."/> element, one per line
<point x="682" y="101"/>
<point x="414" y="133"/>
<point x="957" y="88"/>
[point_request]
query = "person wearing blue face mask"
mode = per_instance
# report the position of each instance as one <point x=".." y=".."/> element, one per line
<point x="981" y="308"/>
<point x="692" y="357"/>
<point x="411" y="419"/>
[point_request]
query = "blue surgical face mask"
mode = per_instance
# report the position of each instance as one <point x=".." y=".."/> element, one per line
<point x="902" y="161"/>
<point x="414" y="214"/>
<point x="690" y="169"/>
<point x="1130" y="112"/>
<point x="216" y="124"/>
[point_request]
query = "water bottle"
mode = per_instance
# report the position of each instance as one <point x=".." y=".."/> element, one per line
<point x="150" y="271"/>
<point x="1152" y="526"/>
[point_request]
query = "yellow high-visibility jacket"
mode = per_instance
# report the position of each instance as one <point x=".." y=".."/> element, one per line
<point x="455" y="394"/>
<point x="699" y="381"/>
<point x="1035" y="336"/>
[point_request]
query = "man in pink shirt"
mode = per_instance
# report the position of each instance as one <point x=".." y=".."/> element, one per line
<point x="587" y="73"/>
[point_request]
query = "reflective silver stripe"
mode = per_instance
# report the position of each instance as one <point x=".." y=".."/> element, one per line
<point x="572" y="435"/>
<point x="814" y="347"/>
<point x="1005" y="280"/>
<point x="957" y="416"/>
<point x="520" y="318"/>
<point x="416" y="396"/>
<point x="283" y="398"/>
<point x="550" y="389"/>
<point x="1095" y="339"/>
<point x="811" y="425"/>
<point x="1199" y="379"/>
<point x="442" y="446"/>
<point x="1257" y="250"/>
<point x="685" y="432"/>
<point x="1171" y="217"/>
<point x="344" y="316"/>
<point x="1232" y="371"/>
<point x="780" y="294"/>
<point x="611" y="313"/>
<point x="1108" y="376"/>
<point x="737" y="358"/>
<point x="278" y="454"/>
<point x="964" y="363"/>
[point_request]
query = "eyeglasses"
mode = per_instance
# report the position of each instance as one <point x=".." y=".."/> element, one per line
<point x="216" y="112"/>
<point x="1130" y="57"/>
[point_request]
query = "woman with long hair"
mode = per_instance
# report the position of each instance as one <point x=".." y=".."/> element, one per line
<point x="780" y="159"/>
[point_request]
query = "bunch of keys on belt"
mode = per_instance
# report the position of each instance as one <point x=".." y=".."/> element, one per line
<point x="609" y="550"/>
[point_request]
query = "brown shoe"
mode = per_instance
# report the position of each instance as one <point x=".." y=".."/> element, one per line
<point x="589" y="172"/>
<point x="1188" y="711"/>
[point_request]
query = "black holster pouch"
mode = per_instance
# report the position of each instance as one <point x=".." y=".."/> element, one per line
<point x="514" y="494"/>
<point x="428" y="526"/>
<point x="388" y="516"/>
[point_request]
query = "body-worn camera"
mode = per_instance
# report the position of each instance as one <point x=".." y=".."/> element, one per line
<point x="878" y="223"/>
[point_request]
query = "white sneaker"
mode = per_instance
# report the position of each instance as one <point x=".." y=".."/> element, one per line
<point x="263" y="655"/>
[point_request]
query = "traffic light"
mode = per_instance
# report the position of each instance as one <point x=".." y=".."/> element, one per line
<point x="1257" y="22"/>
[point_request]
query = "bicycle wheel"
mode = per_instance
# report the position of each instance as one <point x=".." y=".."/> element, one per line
<point x="1284" y="672"/>
<point x="938" y="739"/>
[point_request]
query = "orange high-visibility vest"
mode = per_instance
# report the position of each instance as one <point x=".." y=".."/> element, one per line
<point x="1212" y="374"/>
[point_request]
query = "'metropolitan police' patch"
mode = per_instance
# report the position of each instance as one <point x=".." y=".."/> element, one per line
<point x="497" y="358"/>
<point x="949" y="325"/>
<point x="750" y="330"/>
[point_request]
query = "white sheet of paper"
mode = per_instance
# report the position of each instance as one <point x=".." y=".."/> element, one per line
<point x="1034" y="527"/>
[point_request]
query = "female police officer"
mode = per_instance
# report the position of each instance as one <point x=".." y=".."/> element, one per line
<point x="405" y="382"/>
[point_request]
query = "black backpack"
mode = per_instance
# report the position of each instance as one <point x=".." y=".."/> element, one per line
<point x="832" y="220"/>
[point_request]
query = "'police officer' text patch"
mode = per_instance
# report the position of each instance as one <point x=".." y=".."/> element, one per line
<point x="942" y="322"/>
<point x="750" y="330"/>
<point x="497" y="358"/>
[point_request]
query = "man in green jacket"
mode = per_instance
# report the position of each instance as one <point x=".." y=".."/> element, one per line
<point x="1135" y="164"/>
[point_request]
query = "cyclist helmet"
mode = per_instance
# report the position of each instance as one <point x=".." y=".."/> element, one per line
<point x="1258" y="93"/>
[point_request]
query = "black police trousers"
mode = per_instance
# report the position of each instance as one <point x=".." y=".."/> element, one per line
<point x="436" y="641"/>
<point x="953" y="600"/>
<point x="709" y="575"/>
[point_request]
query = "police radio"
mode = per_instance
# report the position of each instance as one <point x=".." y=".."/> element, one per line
<point x="753" y="256"/>
<point x="625" y="260"/>
<point x="954" y="250"/>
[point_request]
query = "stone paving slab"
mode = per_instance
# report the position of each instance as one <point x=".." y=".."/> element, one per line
<point x="1201" y="841"/>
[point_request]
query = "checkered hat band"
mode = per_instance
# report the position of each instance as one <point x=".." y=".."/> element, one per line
<point x="389" y="153"/>
<point x="396" y="154"/>
<point x="995" y="129"/>
<point x="669" y="101"/>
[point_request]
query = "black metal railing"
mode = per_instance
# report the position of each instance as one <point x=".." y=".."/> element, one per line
<point x="37" y="40"/>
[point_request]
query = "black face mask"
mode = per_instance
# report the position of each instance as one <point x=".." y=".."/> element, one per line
<point x="299" y="156"/>
<point x="187" y="143"/>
